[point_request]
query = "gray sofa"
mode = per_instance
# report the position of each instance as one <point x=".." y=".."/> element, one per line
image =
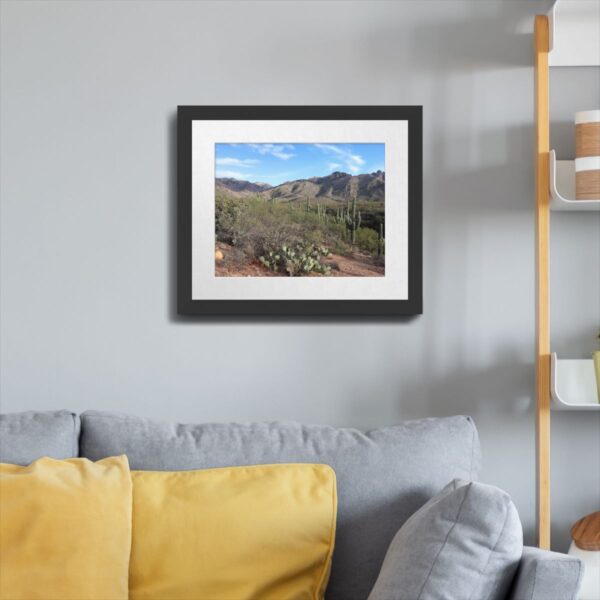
<point x="383" y="476"/>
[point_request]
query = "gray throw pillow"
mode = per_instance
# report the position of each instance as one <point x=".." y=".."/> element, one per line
<point x="464" y="544"/>
<point x="27" y="436"/>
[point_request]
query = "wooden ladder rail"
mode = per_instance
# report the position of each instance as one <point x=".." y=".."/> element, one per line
<point x="542" y="244"/>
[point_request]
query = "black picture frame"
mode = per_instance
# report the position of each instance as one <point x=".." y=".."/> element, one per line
<point x="186" y="305"/>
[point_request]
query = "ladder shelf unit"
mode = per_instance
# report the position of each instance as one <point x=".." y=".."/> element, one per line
<point x="567" y="36"/>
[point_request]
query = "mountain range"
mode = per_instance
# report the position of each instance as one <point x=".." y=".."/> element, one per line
<point x="337" y="186"/>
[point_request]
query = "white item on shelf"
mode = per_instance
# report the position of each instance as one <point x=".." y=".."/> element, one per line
<point x="562" y="187"/>
<point x="587" y="163"/>
<point x="587" y="116"/>
<point x="590" y="584"/>
<point x="574" y="33"/>
<point x="573" y="384"/>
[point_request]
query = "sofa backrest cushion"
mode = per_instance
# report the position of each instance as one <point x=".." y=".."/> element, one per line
<point x="27" y="436"/>
<point x="383" y="476"/>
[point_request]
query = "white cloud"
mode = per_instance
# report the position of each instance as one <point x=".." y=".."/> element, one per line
<point x="236" y="162"/>
<point x="333" y="166"/>
<point x="352" y="162"/>
<point x="234" y="174"/>
<point x="277" y="150"/>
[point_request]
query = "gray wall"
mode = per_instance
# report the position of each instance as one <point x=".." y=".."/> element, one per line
<point x="89" y="91"/>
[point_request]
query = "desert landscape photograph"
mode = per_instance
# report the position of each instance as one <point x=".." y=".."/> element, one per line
<point x="292" y="210"/>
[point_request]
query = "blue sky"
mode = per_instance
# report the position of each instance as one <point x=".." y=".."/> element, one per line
<point x="276" y="163"/>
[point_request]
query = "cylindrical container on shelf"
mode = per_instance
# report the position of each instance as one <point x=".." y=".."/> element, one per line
<point x="587" y="155"/>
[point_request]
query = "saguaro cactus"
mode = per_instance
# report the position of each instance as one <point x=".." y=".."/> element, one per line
<point x="380" y="241"/>
<point x="352" y="219"/>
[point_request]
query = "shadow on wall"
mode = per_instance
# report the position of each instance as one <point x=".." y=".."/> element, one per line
<point x="472" y="392"/>
<point x="171" y="217"/>
<point x="492" y="35"/>
<point x="469" y="179"/>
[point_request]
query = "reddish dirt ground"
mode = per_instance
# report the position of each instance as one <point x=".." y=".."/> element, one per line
<point x="355" y="265"/>
<point x="231" y="262"/>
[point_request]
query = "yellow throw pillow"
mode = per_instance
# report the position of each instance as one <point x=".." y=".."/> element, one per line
<point x="240" y="533"/>
<point x="65" y="529"/>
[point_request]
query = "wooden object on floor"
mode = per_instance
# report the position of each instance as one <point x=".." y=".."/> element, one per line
<point x="586" y="532"/>
<point x="542" y="201"/>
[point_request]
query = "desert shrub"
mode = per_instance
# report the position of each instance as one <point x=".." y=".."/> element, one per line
<point x="337" y="238"/>
<point x="260" y="226"/>
<point x="227" y="211"/>
<point x="314" y="237"/>
<point x="367" y="239"/>
<point x="339" y="247"/>
<point x="296" y="261"/>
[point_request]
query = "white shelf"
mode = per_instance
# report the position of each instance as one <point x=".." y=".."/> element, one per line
<point x="573" y="384"/>
<point x="562" y="187"/>
<point x="574" y="33"/>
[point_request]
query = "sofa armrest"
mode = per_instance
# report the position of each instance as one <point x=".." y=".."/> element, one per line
<point x="544" y="575"/>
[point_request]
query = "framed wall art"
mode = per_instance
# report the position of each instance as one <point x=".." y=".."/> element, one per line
<point x="300" y="210"/>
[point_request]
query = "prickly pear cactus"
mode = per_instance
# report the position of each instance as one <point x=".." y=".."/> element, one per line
<point x="296" y="261"/>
